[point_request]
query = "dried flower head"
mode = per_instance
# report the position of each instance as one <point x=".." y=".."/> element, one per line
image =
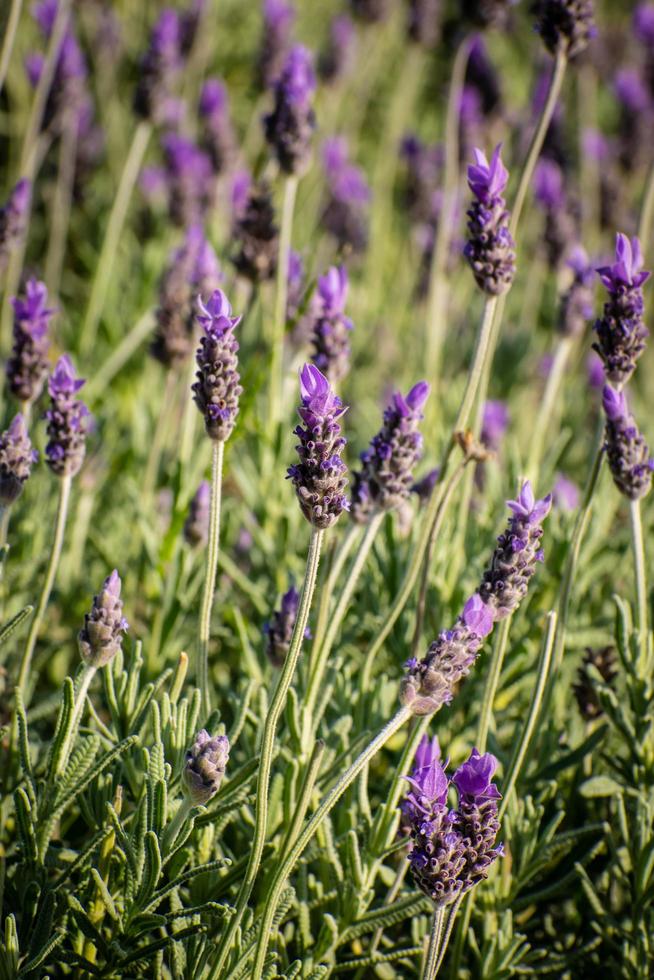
<point x="101" y="637"/>
<point x="205" y="766"/>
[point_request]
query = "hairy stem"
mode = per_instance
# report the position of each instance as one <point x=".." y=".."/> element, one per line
<point x="267" y="752"/>
<point x="327" y="589"/>
<point x="492" y="682"/>
<point x="51" y="571"/>
<point x="9" y="38"/>
<point x="433" y="951"/>
<point x="637" y="542"/>
<point x="202" y="666"/>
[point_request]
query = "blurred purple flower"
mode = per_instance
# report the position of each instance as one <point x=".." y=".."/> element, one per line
<point x="565" y="493"/>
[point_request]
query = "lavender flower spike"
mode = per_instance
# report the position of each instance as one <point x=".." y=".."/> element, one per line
<point x="66" y="420"/>
<point x="12" y="218"/>
<point x="290" y="125"/>
<point x="505" y="582"/>
<point x="278" y="17"/>
<point x="101" y="637"/>
<point x="219" y="139"/>
<point x="628" y="455"/>
<point x="216" y="390"/>
<point x="27" y="366"/>
<point x="490" y="249"/>
<point x="196" y="525"/>
<point x="279" y="630"/>
<point x="16" y="459"/>
<point x="621" y="332"/>
<point x="319" y="478"/>
<point x="478" y="821"/>
<point x="158" y="68"/>
<point x="386" y="476"/>
<point x="205" y="766"/>
<point x="256" y="235"/>
<point x="331" y="328"/>
<point x="430" y="682"/>
<point x="565" y="25"/>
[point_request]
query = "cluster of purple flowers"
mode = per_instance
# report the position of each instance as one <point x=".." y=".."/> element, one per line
<point x="626" y="450"/>
<point x="429" y="683"/>
<point x="320" y="476"/>
<point x="289" y="127"/>
<point x="159" y="69"/>
<point x="67" y="420"/>
<point x="27" y="366"/>
<point x="345" y="213"/>
<point x="279" y="629"/>
<point x="101" y="637"/>
<point x="490" y="249"/>
<point x="216" y="390"/>
<point x="452" y="850"/>
<point x="330" y="333"/>
<point x="385" y="479"/>
<point x="218" y="137"/>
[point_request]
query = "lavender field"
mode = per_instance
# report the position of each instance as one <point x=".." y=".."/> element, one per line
<point x="325" y="528"/>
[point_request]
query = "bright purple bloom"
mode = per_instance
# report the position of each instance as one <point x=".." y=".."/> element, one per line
<point x="279" y="630"/>
<point x="337" y="58"/>
<point x="477" y="616"/>
<point x="101" y="637"/>
<point x="193" y="270"/>
<point x="384" y="481"/>
<point x="626" y="450"/>
<point x="205" y="766"/>
<point x="216" y="390"/>
<point x="320" y="476"/>
<point x="66" y="420"/>
<point x="13" y="218"/>
<point x="196" y="525"/>
<point x="505" y="582"/>
<point x="495" y="422"/>
<point x="644" y="23"/>
<point x="565" y="493"/>
<point x="289" y="127"/>
<point x="428" y="781"/>
<point x="621" y="332"/>
<point x="27" y="366"/>
<point x="490" y="249"/>
<point x="475" y="777"/>
<point x="16" y="459"/>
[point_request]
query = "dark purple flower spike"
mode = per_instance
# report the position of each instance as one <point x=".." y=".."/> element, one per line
<point x="345" y="214"/>
<point x="621" y="332"/>
<point x="16" y="459"/>
<point x="159" y="68"/>
<point x="565" y="25"/>
<point x="256" y="235"/>
<point x="27" y="366"/>
<point x="320" y="476"/>
<point x="627" y="452"/>
<point x="289" y="127"/>
<point x="386" y="476"/>
<point x="101" y="637"/>
<point x="67" y="419"/>
<point x="490" y="249"/>
<point x="216" y="390"/>
<point x="279" y="629"/>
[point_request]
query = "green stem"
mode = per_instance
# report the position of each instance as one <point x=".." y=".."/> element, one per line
<point x="433" y="951"/>
<point x="316" y="676"/>
<point x="536" y="145"/>
<point x="202" y="666"/>
<point x="522" y="744"/>
<point x="640" y="575"/>
<point x="480" y="359"/>
<point x="543" y="421"/>
<point x="87" y="675"/>
<point x="492" y="681"/>
<point x="51" y="570"/>
<point x="327" y="590"/>
<point x="446" y="936"/>
<point x="176" y="823"/>
<point x="9" y="38"/>
<point x="435" y="321"/>
<point x="279" y="323"/>
<point x="325" y="807"/>
<point x="111" y="240"/>
<point x="267" y="752"/>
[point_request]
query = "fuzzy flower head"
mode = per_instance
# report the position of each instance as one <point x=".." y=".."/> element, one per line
<point x="490" y="249"/>
<point x="205" y="766"/>
<point x="644" y="23"/>
<point x="217" y="389"/>
<point x="159" y="68"/>
<point x="255" y="233"/>
<point x="627" y="452"/>
<point x="320" y="476"/>
<point x="218" y="137"/>
<point x="345" y="213"/>
<point x="386" y="476"/>
<point x="337" y="58"/>
<point x="16" y="460"/>
<point x="621" y="331"/>
<point x="577" y="301"/>
<point x="278" y="20"/>
<point x="101" y="637"/>
<point x="67" y="418"/>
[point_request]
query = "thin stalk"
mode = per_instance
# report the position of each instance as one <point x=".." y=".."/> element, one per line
<point x="316" y="676"/>
<point x="51" y="571"/>
<point x="536" y="145"/>
<point x="202" y="666"/>
<point x="522" y="743"/>
<point x="178" y="820"/>
<point x="111" y="240"/>
<point x="433" y="952"/>
<point x="387" y="822"/>
<point x="445" y="941"/>
<point x="647" y="212"/>
<point x="435" y="321"/>
<point x="293" y="856"/>
<point x="492" y="681"/>
<point x="279" y="322"/>
<point x="637" y="542"/>
<point x="8" y="40"/>
<point x="545" y="412"/>
<point x="87" y="675"/>
<point x="60" y="211"/>
<point x="480" y="360"/>
<point x="304" y="798"/>
<point x="267" y="752"/>
<point x="327" y="589"/>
